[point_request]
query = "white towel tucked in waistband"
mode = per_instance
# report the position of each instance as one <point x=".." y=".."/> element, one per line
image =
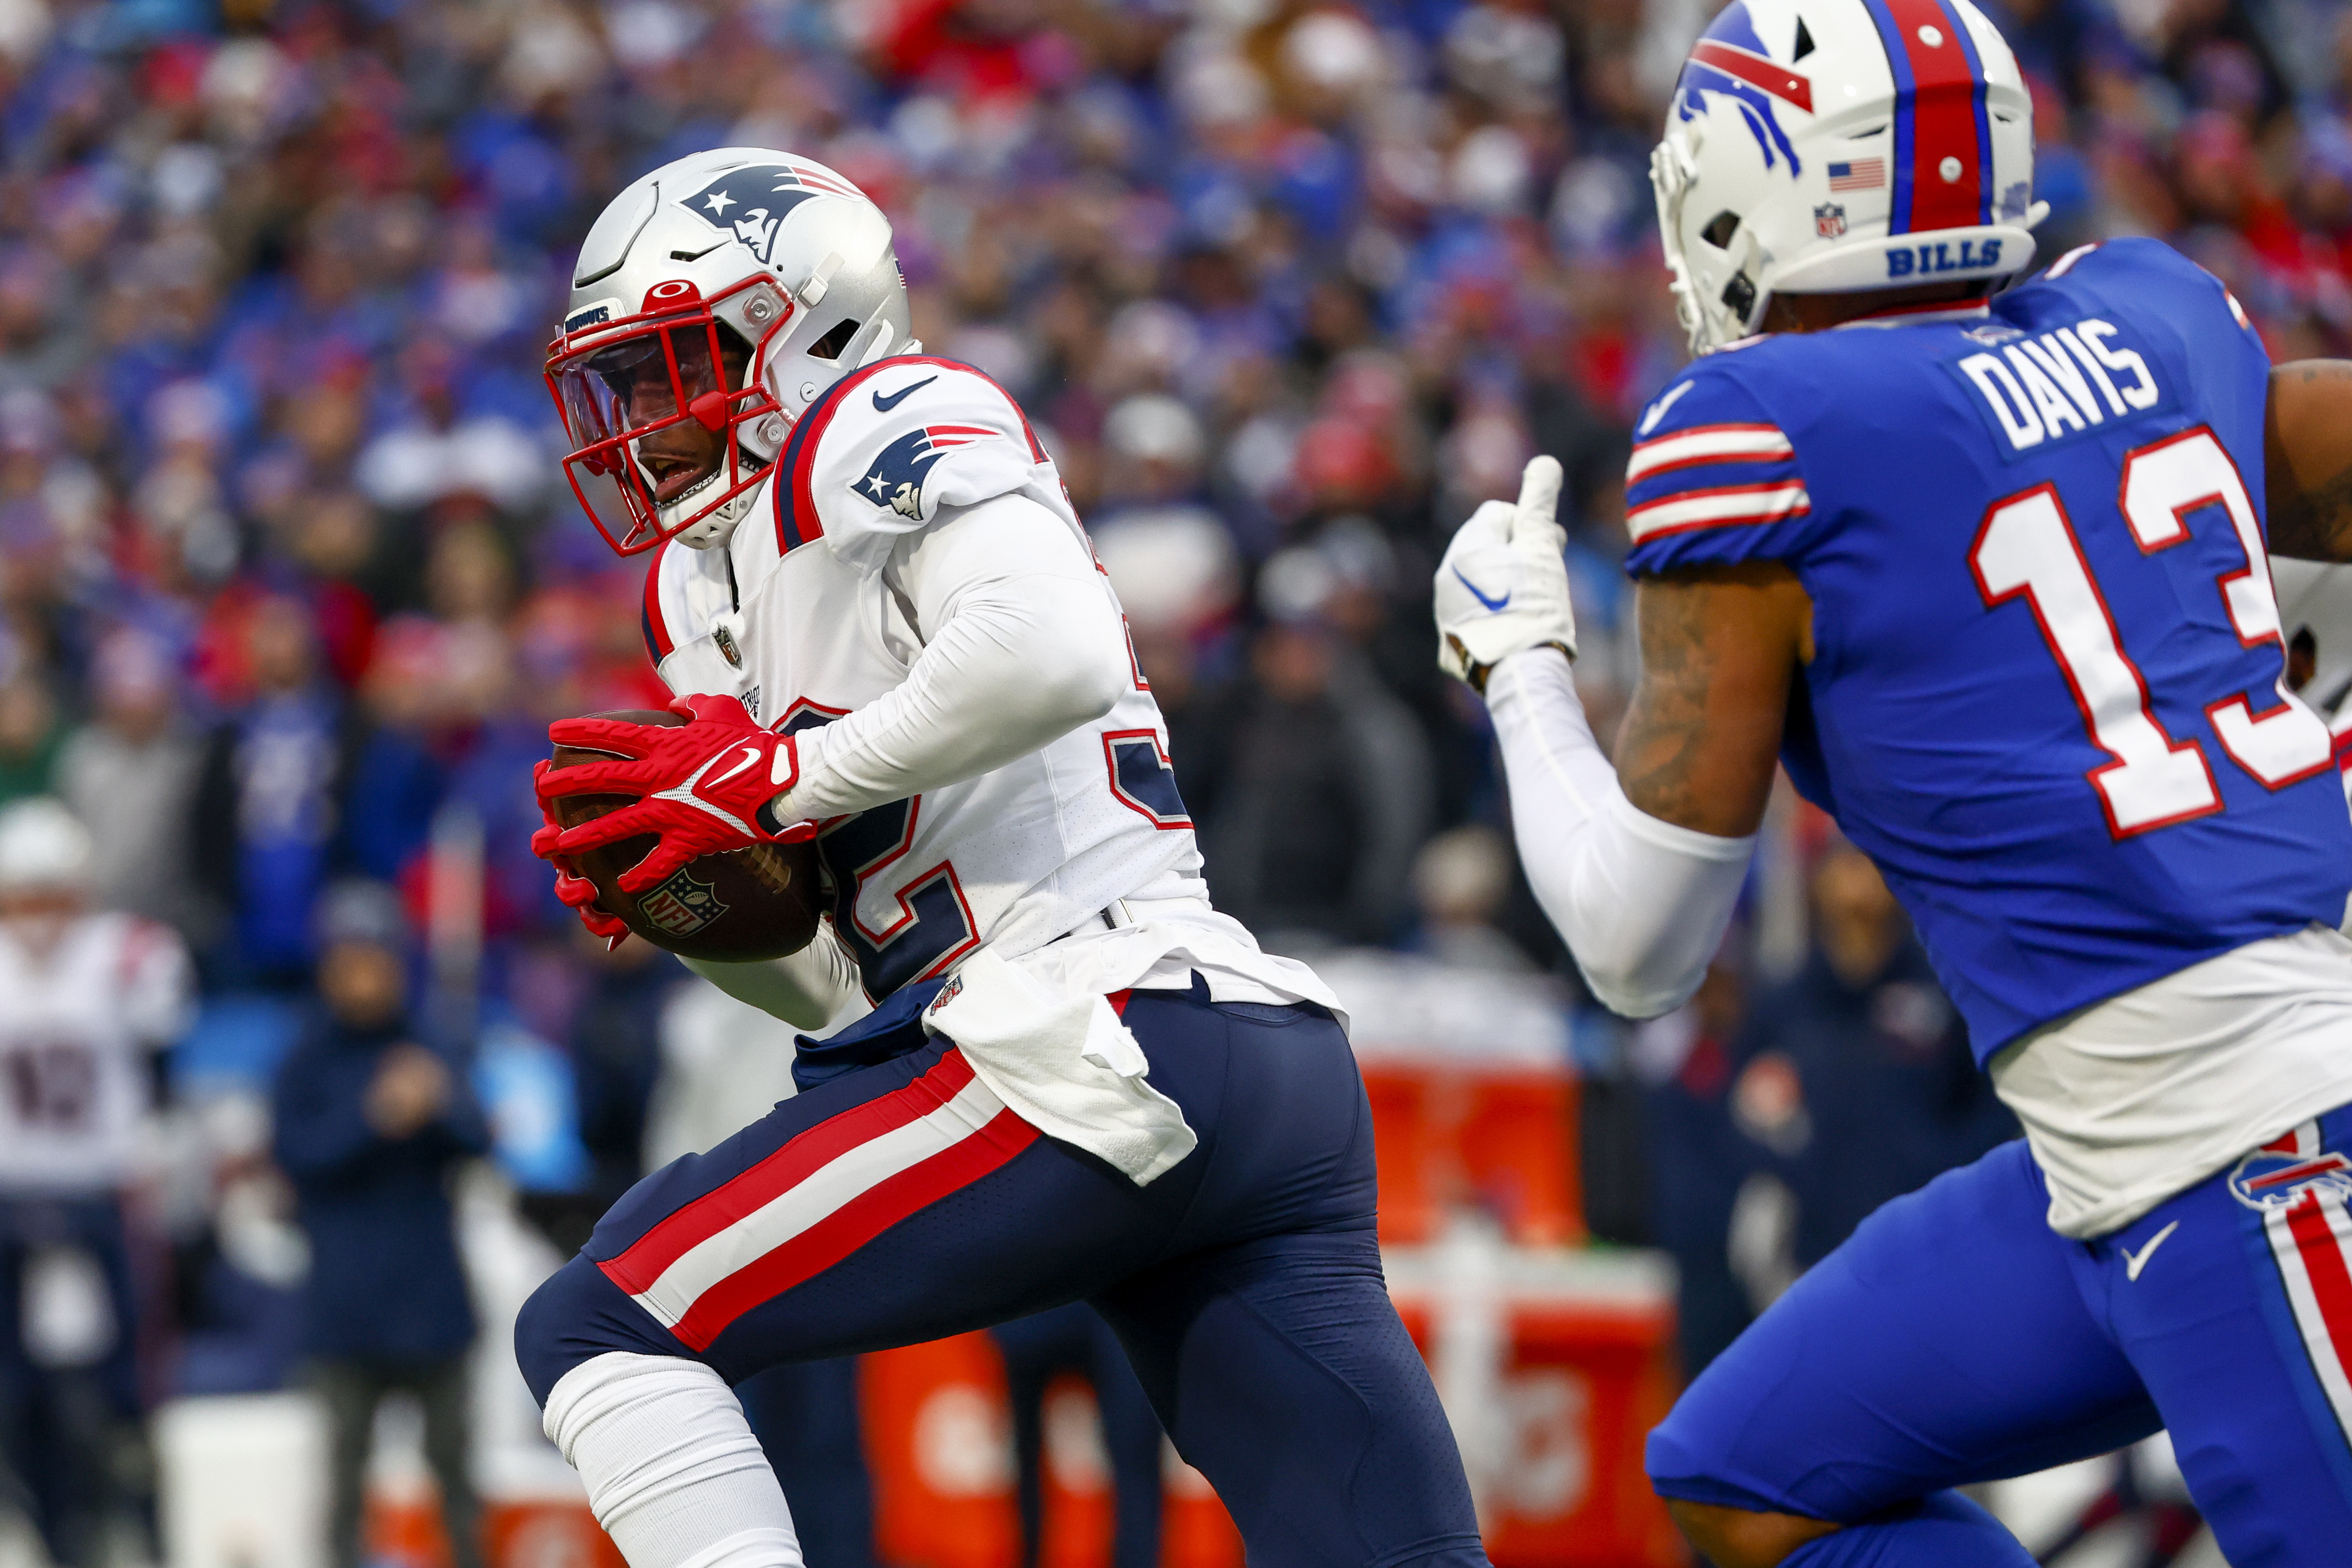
<point x="1063" y="1062"/>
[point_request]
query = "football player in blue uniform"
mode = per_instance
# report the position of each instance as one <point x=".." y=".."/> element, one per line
<point x="1988" y="574"/>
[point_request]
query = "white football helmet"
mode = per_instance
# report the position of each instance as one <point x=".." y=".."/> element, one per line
<point x="44" y="848"/>
<point x="737" y="257"/>
<point x="1831" y="146"/>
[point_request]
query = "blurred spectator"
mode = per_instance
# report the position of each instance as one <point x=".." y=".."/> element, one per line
<point x="31" y="733"/>
<point x="267" y="802"/>
<point x="1697" y="1161"/>
<point x="1074" y="1339"/>
<point x="86" y="999"/>
<point x="1461" y="880"/>
<point x="1329" y="795"/>
<point x="369" y="1127"/>
<point x="1855" y="1077"/>
<point x="131" y="772"/>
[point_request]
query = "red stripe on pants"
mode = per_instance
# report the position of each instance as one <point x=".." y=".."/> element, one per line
<point x="2322" y="1261"/>
<point x="852" y="1226"/>
<point x="697" y="1222"/>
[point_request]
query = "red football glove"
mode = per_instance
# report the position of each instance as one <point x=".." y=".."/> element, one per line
<point x="704" y="785"/>
<point x="577" y="892"/>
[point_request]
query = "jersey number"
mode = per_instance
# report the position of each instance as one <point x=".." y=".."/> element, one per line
<point x="930" y="925"/>
<point x="51" y="1086"/>
<point x="2027" y="549"/>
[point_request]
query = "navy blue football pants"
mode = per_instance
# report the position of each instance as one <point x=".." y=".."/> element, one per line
<point x="1955" y="1338"/>
<point x="1246" y="1283"/>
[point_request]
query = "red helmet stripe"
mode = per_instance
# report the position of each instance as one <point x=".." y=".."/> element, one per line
<point x="1756" y="70"/>
<point x="1939" y="116"/>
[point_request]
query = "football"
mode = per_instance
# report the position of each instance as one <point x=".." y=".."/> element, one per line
<point x="735" y="907"/>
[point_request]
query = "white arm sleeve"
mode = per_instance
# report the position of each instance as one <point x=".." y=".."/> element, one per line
<point x="1641" y="903"/>
<point x="807" y="989"/>
<point x="1023" y="643"/>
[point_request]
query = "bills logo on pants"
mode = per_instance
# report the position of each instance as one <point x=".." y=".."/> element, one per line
<point x="2301" y="1191"/>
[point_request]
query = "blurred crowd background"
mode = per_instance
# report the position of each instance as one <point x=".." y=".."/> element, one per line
<point x="289" y="589"/>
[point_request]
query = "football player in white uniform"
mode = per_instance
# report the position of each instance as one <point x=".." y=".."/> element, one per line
<point x="85" y="1001"/>
<point x="1079" y="1081"/>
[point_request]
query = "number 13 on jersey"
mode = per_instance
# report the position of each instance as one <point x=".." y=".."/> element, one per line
<point x="2027" y="549"/>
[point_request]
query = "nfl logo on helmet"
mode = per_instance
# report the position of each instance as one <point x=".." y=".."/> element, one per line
<point x="1829" y="220"/>
<point x="896" y="479"/>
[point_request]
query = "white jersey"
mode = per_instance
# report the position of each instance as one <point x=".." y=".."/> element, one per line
<point x="800" y="618"/>
<point x="77" y="1022"/>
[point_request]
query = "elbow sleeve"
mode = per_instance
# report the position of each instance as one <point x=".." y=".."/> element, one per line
<point x="1643" y="904"/>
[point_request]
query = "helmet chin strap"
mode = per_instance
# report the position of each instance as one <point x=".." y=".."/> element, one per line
<point x="720" y="526"/>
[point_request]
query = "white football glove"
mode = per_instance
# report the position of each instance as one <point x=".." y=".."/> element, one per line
<point x="1502" y="585"/>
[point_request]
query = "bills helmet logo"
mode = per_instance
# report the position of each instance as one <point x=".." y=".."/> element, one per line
<point x="2273" y="1179"/>
<point x="895" y="482"/>
<point x="681" y="905"/>
<point x="1730" y="61"/>
<point x="750" y="203"/>
<point x="1829" y="220"/>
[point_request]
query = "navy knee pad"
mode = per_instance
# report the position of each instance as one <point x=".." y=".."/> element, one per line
<point x="576" y="1315"/>
<point x="1942" y="1531"/>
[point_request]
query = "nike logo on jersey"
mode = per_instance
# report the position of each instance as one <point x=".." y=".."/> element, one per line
<point x="1490" y="604"/>
<point x="2133" y="1264"/>
<point x="1658" y="409"/>
<point x="884" y="405"/>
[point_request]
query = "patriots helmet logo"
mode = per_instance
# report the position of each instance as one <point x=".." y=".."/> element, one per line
<point x="750" y="203"/>
<point x="895" y="482"/>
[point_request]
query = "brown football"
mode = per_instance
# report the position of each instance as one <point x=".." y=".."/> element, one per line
<point x="735" y="907"/>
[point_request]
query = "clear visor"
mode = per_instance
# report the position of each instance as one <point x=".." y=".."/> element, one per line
<point x="652" y="418"/>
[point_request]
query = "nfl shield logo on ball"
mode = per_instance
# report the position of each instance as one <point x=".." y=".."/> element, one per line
<point x="1829" y="220"/>
<point x="681" y="905"/>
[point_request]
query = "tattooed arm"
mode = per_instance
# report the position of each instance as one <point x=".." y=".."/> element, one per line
<point x="1640" y="864"/>
<point x="2307" y="455"/>
<point x="1719" y="646"/>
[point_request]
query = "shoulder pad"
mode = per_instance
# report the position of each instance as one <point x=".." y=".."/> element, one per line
<point x="1708" y="456"/>
<point x="880" y="454"/>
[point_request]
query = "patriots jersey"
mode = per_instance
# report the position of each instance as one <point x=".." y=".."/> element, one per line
<point x="2047" y="692"/>
<point x="796" y="617"/>
<point x="77" y="1021"/>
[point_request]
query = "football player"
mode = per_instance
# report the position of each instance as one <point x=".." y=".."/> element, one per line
<point x="1988" y="574"/>
<point x="86" y="1000"/>
<point x="1079" y="1081"/>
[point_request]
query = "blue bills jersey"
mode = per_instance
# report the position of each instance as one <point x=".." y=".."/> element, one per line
<point x="2046" y="693"/>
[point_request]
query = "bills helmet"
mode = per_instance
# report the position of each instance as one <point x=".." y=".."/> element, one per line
<point x="1833" y="146"/>
<point x="728" y="290"/>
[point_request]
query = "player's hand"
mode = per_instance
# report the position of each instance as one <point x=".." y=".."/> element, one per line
<point x="704" y="785"/>
<point x="1502" y="585"/>
<point x="576" y="892"/>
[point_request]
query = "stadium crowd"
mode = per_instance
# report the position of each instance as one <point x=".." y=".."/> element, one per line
<point x="290" y="588"/>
